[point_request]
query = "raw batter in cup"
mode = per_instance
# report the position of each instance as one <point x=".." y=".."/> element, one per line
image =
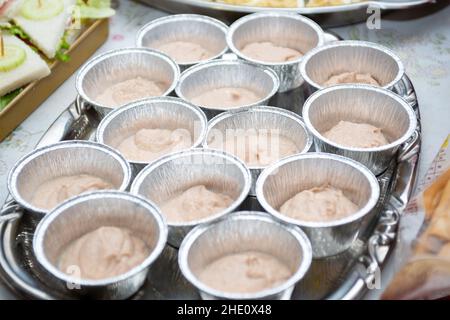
<point x="351" y="77"/>
<point x="226" y="97"/>
<point x="53" y="192"/>
<point x="356" y="135"/>
<point x="130" y="90"/>
<point x="103" y="253"/>
<point x="245" y="272"/>
<point x="269" y="52"/>
<point x="255" y="147"/>
<point x="185" y="51"/>
<point x="319" y="204"/>
<point x="149" y="144"/>
<point x="194" y="204"/>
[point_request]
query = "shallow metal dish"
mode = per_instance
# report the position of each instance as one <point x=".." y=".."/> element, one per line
<point x="326" y="16"/>
<point x="344" y="276"/>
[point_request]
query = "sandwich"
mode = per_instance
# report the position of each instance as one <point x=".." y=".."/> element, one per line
<point x="19" y="65"/>
<point x="35" y="33"/>
<point x="46" y="24"/>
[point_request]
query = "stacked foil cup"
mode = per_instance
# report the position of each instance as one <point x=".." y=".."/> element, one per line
<point x="292" y="241"/>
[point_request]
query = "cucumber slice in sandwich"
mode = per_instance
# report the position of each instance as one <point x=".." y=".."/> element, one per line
<point x="45" y="34"/>
<point x="32" y="68"/>
<point x="13" y="57"/>
<point x="41" y="9"/>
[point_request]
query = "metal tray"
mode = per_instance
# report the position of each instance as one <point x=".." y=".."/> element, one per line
<point x="344" y="276"/>
<point x="326" y="16"/>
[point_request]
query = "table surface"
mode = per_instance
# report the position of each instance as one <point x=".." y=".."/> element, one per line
<point x="422" y="42"/>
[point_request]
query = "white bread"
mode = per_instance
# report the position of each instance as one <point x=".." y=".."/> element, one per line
<point x="33" y="68"/>
<point x="46" y="34"/>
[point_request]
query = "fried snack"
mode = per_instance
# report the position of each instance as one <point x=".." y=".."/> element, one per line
<point x="427" y="273"/>
<point x="421" y="279"/>
<point x="432" y="195"/>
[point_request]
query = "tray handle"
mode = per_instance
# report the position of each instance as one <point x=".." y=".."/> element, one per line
<point x="410" y="148"/>
<point x="385" y="235"/>
<point x="10" y="211"/>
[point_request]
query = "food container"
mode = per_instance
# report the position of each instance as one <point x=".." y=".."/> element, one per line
<point x="34" y="94"/>
<point x="361" y="104"/>
<point x="240" y="232"/>
<point x="281" y="28"/>
<point x="283" y="180"/>
<point x="118" y="65"/>
<point x="285" y="122"/>
<point x="161" y="112"/>
<point x="170" y="175"/>
<point x="61" y="159"/>
<point x="85" y="213"/>
<point x="227" y="73"/>
<point x="321" y="63"/>
<point x="185" y="27"/>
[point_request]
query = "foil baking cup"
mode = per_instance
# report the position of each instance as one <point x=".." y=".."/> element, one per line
<point x="65" y="159"/>
<point x="241" y="232"/>
<point x="283" y="180"/>
<point x="83" y="214"/>
<point x="161" y="112"/>
<point x="284" y="29"/>
<point x="337" y="57"/>
<point x="112" y="67"/>
<point x="284" y="122"/>
<point x="175" y="173"/>
<point x="360" y="104"/>
<point x="207" y="31"/>
<point x="227" y="73"/>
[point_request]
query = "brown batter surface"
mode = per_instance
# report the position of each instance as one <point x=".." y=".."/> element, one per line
<point x="130" y="90"/>
<point x="185" y="51"/>
<point x="53" y="192"/>
<point x="351" y="77"/>
<point x="103" y="253"/>
<point x="356" y="135"/>
<point x="194" y="204"/>
<point x="256" y="147"/>
<point x="319" y="204"/>
<point x="269" y="52"/>
<point x="149" y="144"/>
<point x="226" y="97"/>
<point x="245" y="272"/>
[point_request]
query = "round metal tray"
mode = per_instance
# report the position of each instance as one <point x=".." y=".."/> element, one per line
<point x="344" y="276"/>
<point x="326" y="16"/>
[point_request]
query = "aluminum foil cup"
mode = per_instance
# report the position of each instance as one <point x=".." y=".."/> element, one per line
<point x="175" y="173"/>
<point x="161" y="112"/>
<point x="83" y="214"/>
<point x="283" y="29"/>
<point x="240" y="232"/>
<point x="344" y="56"/>
<point x="204" y="30"/>
<point x="227" y="73"/>
<point x="286" y="123"/>
<point x="283" y="180"/>
<point x="361" y="104"/>
<point x="109" y="68"/>
<point x="63" y="159"/>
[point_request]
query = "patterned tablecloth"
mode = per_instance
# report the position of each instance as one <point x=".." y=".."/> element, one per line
<point x="423" y="43"/>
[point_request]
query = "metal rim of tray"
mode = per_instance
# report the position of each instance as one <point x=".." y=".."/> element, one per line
<point x="329" y="16"/>
<point x="385" y="5"/>
<point x="379" y="244"/>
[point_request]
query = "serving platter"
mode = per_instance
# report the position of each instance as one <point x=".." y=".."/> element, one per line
<point x="344" y="276"/>
<point x="324" y="15"/>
